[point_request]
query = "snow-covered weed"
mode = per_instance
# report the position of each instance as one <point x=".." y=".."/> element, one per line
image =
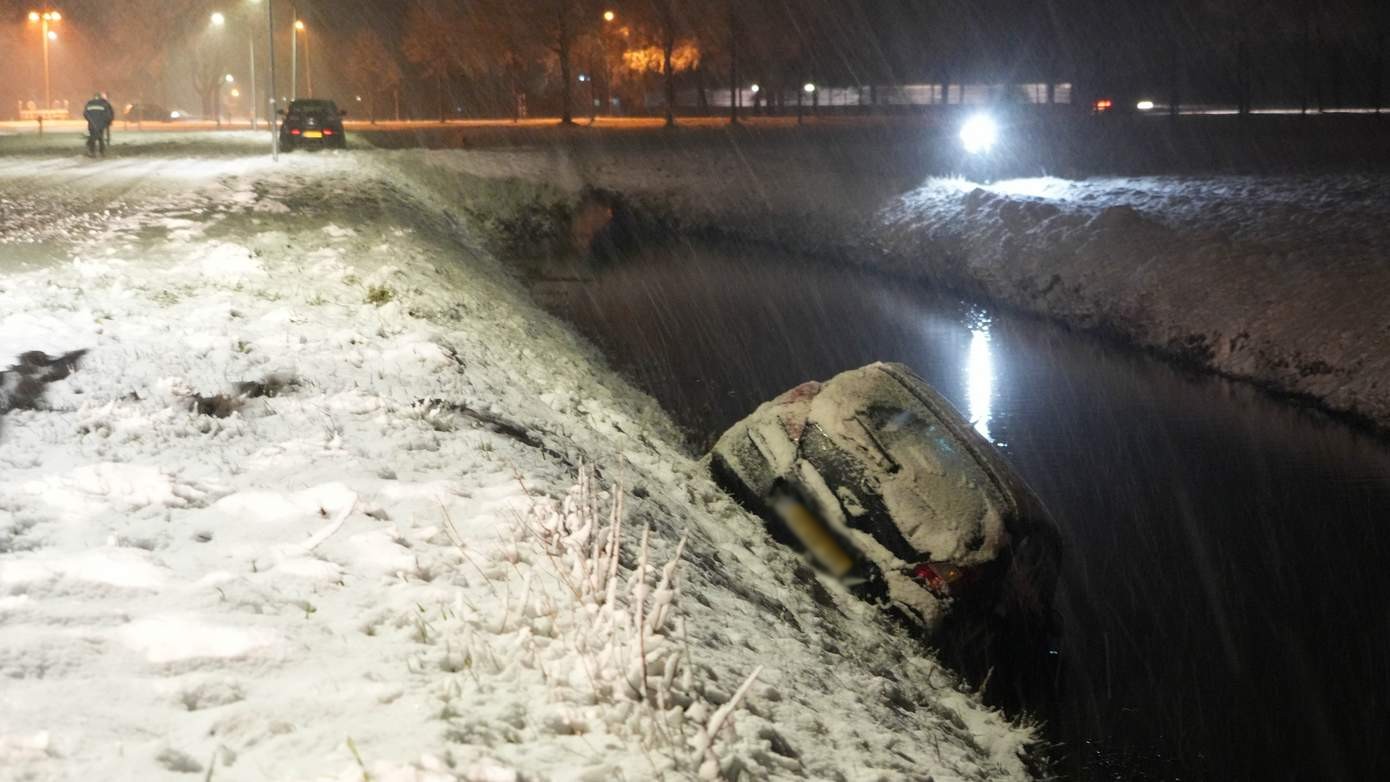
<point x="600" y="623"/>
<point x="380" y="294"/>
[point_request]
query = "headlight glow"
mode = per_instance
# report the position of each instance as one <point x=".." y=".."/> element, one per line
<point x="979" y="134"/>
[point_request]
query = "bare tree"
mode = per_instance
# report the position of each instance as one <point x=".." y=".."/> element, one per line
<point x="733" y="24"/>
<point x="208" y="73"/>
<point x="664" y="42"/>
<point x="498" y="34"/>
<point x="371" y="68"/>
<point x="556" y="26"/>
<point x="430" y="44"/>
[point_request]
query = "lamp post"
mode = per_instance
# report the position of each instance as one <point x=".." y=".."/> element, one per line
<point x="219" y="20"/>
<point x="300" y="27"/>
<point x="44" y="19"/>
<point x="608" y="18"/>
<point x="274" y="101"/>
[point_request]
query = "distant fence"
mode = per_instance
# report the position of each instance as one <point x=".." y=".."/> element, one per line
<point x="898" y="95"/>
<point x="46" y="115"/>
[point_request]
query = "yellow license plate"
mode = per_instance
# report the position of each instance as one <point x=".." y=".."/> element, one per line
<point x="313" y="134"/>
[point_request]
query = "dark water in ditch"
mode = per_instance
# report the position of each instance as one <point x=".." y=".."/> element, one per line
<point x="1226" y="595"/>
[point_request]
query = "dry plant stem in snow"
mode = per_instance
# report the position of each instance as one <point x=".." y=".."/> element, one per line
<point x="641" y="675"/>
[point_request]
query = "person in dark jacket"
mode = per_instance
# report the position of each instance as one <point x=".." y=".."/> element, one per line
<point x="99" y="114"/>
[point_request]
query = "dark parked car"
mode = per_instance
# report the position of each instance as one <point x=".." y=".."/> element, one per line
<point x="886" y="486"/>
<point x="312" y="123"/>
<point x="145" y="112"/>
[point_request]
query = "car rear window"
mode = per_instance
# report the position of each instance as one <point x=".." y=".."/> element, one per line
<point x="313" y="107"/>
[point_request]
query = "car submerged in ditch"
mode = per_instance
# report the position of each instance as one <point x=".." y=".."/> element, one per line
<point x="886" y="486"/>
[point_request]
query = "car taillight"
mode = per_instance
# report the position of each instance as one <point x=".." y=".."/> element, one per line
<point x="942" y="578"/>
<point x="294" y="131"/>
<point x="328" y="131"/>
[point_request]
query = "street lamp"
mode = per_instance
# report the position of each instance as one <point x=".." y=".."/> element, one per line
<point x="274" y="101"/>
<point x="300" y="27"/>
<point x="44" y="19"/>
<point x="608" y="18"/>
<point x="219" y="20"/>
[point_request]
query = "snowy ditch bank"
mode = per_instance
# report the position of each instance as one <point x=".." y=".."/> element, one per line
<point x="1279" y="281"/>
<point x="328" y="498"/>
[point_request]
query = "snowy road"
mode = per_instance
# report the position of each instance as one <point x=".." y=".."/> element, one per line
<point x="308" y="509"/>
<point x="49" y="206"/>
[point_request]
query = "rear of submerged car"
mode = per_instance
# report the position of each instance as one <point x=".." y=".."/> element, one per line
<point x="312" y="123"/>
<point x="886" y="486"/>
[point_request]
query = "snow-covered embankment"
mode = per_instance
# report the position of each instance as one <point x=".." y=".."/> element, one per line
<point x="327" y="496"/>
<point x="1280" y="280"/>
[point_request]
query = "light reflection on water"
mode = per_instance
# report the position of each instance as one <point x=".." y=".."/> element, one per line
<point x="979" y="381"/>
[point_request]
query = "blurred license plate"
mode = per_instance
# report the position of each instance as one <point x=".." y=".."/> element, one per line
<point x="313" y="134"/>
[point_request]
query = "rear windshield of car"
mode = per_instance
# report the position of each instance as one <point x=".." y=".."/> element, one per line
<point x="313" y="107"/>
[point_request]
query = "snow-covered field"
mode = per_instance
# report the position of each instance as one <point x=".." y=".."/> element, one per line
<point x="329" y="498"/>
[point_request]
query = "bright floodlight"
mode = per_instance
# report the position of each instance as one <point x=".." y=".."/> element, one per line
<point x="1144" y="105"/>
<point x="33" y="16"/>
<point x="218" y="19"/>
<point x="52" y="35"/>
<point x="809" y="87"/>
<point x="979" y="133"/>
<point x="756" y="88"/>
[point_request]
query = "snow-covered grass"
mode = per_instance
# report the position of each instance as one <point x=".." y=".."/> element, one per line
<point x="329" y="498"/>
<point x="71" y="140"/>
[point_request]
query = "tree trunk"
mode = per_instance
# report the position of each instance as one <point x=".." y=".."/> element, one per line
<point x="1334" y="77"/>
<point x="562" y="50"/>
<point x="667" y="47"/>
<point x="1380" y="71"/>
<point x="733" y="65"/>
<point x="1307" y="54"/>
<point x="1174" y="79"/>
<point x="516" y="95"/>
<point x="1243" y="74"/>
